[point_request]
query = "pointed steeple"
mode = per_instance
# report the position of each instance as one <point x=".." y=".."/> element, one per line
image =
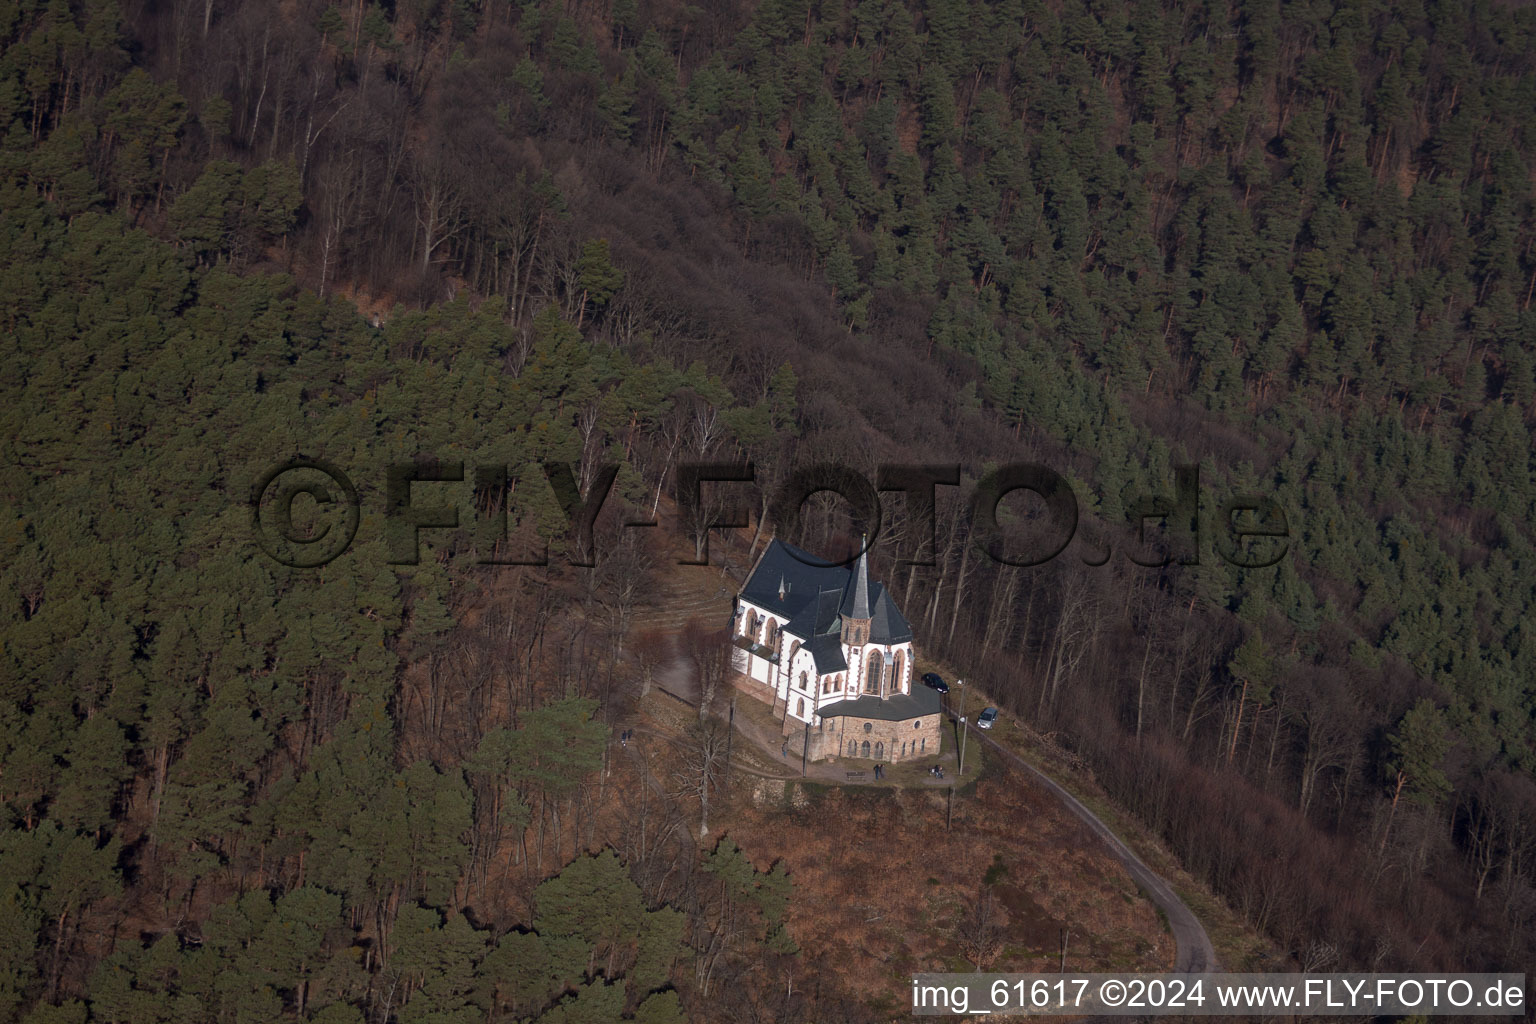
<point x="861" y="585"/>
<point x="856" y="597"/>
<point x="781" y="586"/>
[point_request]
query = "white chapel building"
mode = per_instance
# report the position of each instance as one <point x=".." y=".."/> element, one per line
<point x="828" y="649"/>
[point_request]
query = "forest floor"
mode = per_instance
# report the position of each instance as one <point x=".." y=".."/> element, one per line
<point x="888" y="876"/>
<point x="1237" y="947"/>
<point x="888" y="880"/>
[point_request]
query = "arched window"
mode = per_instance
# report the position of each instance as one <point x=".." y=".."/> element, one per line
<point x="800" y="708"/>
<point x="872" y="672"/>
<point x="802" y="680"/>
<point x="749" y="625"/>
<point x="771" y="634"/>
<point x="866" y="748"/>
<point x="898" y="675"/>
<point x="853" y="748"/>
<point x="794" y="649"/>
<point x="879" y="751"/>
<point x="924" y="748"/>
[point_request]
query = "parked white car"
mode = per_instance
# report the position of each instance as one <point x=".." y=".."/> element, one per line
<point x="986" y="718"/>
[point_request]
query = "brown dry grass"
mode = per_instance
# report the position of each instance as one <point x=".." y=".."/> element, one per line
<point x="1237" y="945"/>
<point x="881" y="885"/>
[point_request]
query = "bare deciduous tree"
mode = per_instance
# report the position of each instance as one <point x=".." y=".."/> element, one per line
<point x="439" y="200"/>
<point x="981" y="933"/>
<point x="704" y="748"/>
<point x="709" y="649"/>
<point x="623" y="578"/>
<point x="652" y="840"/>
<point x="649" y="650"/>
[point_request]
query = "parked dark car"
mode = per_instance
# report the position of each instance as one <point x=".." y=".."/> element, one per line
<point x="935" y="681"/>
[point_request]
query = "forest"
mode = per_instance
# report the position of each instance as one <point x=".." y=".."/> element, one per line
<point x="1289" y="242"/>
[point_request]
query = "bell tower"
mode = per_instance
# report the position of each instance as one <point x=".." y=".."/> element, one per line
<point x="855" y="610"/>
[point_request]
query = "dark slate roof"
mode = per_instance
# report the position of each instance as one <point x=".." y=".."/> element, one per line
<point x="801" y="574"/>
<point x="887" y="626"/>
<point x="921" y="701"/>
<point x="828" y="652"/>
<point x="816" y="594"/>
<point x="816" y="617"/>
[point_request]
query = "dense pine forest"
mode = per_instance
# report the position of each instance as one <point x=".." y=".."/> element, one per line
<point x="1290" y="242"/>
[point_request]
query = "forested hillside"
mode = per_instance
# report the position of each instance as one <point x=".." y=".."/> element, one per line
<point x="1288" y="242"/>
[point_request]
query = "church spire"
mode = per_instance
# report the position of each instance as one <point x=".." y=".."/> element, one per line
<point x="860" y="608"/>
<point x="855" y="607"/>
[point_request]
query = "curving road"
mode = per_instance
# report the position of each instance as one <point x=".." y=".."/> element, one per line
<point x="1194" y="953"/>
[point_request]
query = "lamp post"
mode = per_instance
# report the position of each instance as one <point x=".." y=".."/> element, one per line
<point x="730" y="734"/>
<point x="962" y="725"/>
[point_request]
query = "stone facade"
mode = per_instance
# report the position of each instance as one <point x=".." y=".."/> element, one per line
<point x="871" y="739"/>
<point x="828" y="650"/>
